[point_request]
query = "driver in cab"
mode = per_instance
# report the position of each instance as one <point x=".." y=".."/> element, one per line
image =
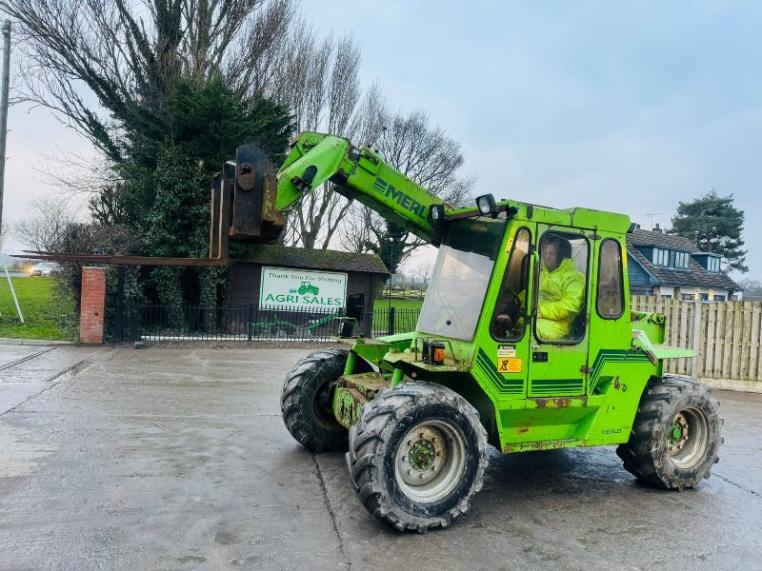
<point x="562" y="290"/>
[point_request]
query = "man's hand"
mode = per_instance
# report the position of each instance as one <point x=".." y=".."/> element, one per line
<point x="504" y="321"/>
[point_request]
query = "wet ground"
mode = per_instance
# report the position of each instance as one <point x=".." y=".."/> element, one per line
<point x="177" y="459"/>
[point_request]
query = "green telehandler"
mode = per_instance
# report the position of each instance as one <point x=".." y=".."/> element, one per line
<point x="526" y="341"/>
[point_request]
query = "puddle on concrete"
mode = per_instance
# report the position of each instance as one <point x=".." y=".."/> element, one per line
<point x="23" y="451"/>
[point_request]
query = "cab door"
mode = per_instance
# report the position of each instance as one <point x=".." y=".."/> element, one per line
<point x="560" y="336"/>
<point x="611" y="329"/>
<point x="502" y="357"/>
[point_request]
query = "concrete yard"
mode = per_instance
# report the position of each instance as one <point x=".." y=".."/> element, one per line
<point x="176" y="458"/>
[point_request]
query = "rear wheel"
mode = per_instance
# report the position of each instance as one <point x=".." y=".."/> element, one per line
<point x="307" y="398"/>
<point x="417" y="456"/>
<point x="676" y="436"/>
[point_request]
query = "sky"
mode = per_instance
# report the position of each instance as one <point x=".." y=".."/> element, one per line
<point x="630" y="107"/>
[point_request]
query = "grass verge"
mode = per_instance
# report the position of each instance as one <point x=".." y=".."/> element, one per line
<point x="47" y="314"/>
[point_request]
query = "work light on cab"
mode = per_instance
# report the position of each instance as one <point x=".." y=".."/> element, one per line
<point x="437" y="212"/>
<point x="487" y="205"/>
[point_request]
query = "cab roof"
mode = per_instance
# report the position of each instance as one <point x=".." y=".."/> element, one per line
<point x="582" y="218"/>
<point x="586" y="218"/>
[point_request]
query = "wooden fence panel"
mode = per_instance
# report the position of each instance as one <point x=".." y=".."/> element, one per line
<point x="726" y="335"/>
<point x="754" y="360"/>
<point x="727" y="338"/>
<point x="682" y="335"/>
<point x="709" y="315"/>
<point x="719" y="340"/>
<point x="743" y="369"/>
<point x="674" y="338"/>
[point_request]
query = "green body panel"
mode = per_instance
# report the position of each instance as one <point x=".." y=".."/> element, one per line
<point x="353" y="393"/>
<point x="663" y="352"/>
<point x="360" y="174"/>
<point x="531" y="394"/>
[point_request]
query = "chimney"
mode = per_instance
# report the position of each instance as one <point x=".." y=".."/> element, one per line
<point x="657" y="229"/>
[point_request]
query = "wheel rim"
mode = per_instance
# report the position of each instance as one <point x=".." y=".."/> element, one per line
<point x="322" y="405"/>
<point x="430" y="461"/>
<point x="687" y="437"/>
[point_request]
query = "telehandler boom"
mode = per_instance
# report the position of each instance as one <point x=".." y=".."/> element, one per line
<point x="361" y="175"/>
<point x="526" y="341"/>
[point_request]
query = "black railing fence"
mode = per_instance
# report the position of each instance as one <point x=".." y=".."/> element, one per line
<point x="251" y="323"/>
<point x="391" y="320"/>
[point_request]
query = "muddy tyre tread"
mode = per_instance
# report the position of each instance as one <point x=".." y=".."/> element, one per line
<point x="301" y="384"/>
<point x="646" y="457"/>
<point x="369" y="438"/>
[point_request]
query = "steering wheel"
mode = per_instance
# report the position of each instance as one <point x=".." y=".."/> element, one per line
<point x="506" y="319"/>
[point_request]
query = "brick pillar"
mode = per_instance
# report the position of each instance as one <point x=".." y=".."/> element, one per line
<point x="93" y="306"/>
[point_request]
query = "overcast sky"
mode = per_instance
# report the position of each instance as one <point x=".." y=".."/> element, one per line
<point x="630" y="107"/>
<point x="624" y="106"/>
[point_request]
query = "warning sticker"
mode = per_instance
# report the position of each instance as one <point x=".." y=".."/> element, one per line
<point x="506" y="350"/>
<point x="508" y="365"/>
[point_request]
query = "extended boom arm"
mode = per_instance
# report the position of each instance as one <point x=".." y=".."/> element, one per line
<point x="358" y="174"/>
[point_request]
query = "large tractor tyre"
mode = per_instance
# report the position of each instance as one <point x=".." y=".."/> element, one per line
<point x="417" y="456"/>
<point x="676" y="435"/>
<point x="307" y="398"/>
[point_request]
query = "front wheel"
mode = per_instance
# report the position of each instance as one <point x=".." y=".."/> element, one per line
<point x="676" y="436"/>
<point x="417" y="456"/>
<point x="307" y="398"/>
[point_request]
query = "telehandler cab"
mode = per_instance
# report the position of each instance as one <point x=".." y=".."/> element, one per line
<point x="526" y="341"/>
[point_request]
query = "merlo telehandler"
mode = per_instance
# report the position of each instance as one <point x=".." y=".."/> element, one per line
<point x="526" y="340"/>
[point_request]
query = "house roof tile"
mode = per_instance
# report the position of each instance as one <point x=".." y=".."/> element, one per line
<point x="640" y="237"/>
<point x="695" y="276"/>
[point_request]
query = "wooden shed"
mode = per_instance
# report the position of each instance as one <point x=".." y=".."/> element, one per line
<point x="271" y="276"/>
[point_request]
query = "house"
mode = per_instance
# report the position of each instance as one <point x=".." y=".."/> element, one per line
<point x="671" y="266"/>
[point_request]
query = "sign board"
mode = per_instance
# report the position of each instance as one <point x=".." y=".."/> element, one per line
<point x="287" y="288"/>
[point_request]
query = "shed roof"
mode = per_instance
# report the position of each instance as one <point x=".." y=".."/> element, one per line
<point x="272" y="255"/>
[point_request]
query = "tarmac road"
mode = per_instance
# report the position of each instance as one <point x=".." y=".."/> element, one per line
<point x="168" y="458"/>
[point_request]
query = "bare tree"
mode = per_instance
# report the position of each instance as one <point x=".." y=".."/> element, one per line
<point x="103" y="65"/>
<point x="45" y="226"/>
<point x="426" y="155"/>
<point x="423" y="273"/>
<point x="106" y="66"/>
<point x="329" y="99"/>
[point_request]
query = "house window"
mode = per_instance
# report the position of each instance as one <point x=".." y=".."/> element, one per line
<point x="713" y="264"/>
<point x="681" y="259"/>
<point x="688" y="296"/>
<point x="704" y="296"/>
<point x="661" y="257"/>
<point x="719" y="297"/>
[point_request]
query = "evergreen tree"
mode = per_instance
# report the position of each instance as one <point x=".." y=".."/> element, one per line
<point x="716" y="225"/>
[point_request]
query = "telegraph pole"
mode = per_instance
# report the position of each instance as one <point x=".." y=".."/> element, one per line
<point x="4" y="109"/>
<point x="3" y="134"/>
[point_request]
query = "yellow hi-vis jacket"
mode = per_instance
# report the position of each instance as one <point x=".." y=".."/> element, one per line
<point x="562" y="292"/>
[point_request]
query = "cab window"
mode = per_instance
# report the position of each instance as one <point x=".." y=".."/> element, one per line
<point x="508" y="318"/>
<point x="610" y="302"/>
<point x="562" y="287"/>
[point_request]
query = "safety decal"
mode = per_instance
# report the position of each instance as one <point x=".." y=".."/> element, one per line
<point x="507" y="362"/>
